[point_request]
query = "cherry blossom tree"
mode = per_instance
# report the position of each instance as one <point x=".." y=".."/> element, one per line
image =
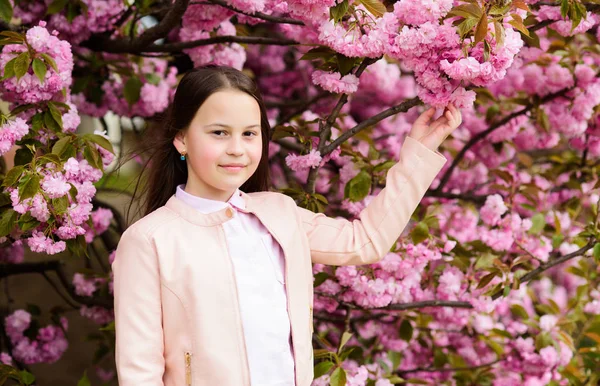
<point x="495" y="281"/>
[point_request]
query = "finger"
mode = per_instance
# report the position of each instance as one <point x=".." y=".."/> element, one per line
<point x="457" y="116"/>
<point x="425" y="116"/>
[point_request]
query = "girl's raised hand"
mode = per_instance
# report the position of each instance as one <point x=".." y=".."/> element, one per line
<point x="433" y="134"/>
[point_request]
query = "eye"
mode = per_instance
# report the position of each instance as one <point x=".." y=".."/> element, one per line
<point x="218" y="132"/>
<point x="251" y="133"/>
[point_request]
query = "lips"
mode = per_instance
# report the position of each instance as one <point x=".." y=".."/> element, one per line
<point x="233" y="167"/>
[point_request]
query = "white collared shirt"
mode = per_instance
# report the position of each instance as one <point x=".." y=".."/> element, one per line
<point x="259" y="267"/>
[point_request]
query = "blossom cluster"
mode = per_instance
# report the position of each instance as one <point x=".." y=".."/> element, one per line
<point x="151" y="78"/>
<point x="47" y="346"/>
<point x="57" y="58"/>
<point x="93" y="16"/>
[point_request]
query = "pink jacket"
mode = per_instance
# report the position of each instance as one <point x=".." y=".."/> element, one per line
<point x="176" y="303"/>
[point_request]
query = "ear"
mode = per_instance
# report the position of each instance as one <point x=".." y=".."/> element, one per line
<point x="179" y="142"/>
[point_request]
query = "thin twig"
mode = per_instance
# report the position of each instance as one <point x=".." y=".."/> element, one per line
<point x="56" y="289"/>
<point x="447" y="370"/>
<point x="258" y="15"/>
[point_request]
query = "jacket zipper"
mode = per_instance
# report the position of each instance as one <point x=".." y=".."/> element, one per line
<point x="188" y="368"/>
<point x="237" y="298"/>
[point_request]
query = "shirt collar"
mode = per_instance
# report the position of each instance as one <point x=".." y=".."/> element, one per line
<point x="205" y="205"/>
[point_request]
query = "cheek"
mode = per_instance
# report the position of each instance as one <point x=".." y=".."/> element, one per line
<point x="256" y="152"/>
<point x="205" y="155"/>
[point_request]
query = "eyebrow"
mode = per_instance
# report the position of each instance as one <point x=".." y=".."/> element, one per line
<point x="229" y="127"/>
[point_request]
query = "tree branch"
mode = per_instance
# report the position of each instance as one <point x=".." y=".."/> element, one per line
<point x="403" y="306"/>
<point x="176" y="47"/>
<point x="447" y="370"/>
<point x="165" y="26"/>
<point x="401" y="108"/>
<point x="551" y="263"/>
<point x="457" y="196"/>
<point x="325" y="130"/>
<point x="258" y="15"/>
<point x="56" y="266"/>
<point x="479" y="136"/>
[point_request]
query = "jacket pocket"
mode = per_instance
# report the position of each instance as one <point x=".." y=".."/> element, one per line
<point x="277" y="261"/>
<point x="188" y="368"/>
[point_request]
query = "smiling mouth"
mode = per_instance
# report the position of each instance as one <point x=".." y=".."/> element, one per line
<point x="233" y="168"/>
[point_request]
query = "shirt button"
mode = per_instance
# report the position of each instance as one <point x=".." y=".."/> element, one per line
<point x="229" y="212"/>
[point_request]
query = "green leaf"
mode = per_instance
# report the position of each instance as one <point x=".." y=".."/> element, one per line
<point x="519" y="311"/>
<point x="50" y="123"/>
<point x="406" y="330"/>
<point x="56" y="114"/>
<point x="6" y="10"/>
<point x="337" y="12"/>
<point x="132" y="90"/>
<point x="376" y="7"/>
<point x="56" y="6"/>
<point x="26" y="224"/>
<point x="466" y="26"/>
<point x="338" y="377"/>
<point x="596" y="252"/>
<point x="27" y="377"/>
<point x="84" y="381"/>
<point x="486" y="280"/>
<point x="345" y="64"/>
<point x="564" y="8"/>
<point x="93" y="157"/>
<point x="383" y="166"/>
<point x="61" y="145"/>
<point x="419" y="233"/>
<point x="13" y="176"/>
<point x="22" y="64"/>
<point x="320" y="52"/>
<point x="345" y="338"/>
<point x="39" y="69"/>
<point x="322" y="368"/>
<point x="482" y="29"/>
<point x="60" y="204"/>
<point x="467" y="11"/>
<point x="439" y="358"/>
<point x="7" y="222"/>
<point x="320" y="278"/>
<point x="23" y="156"/>
<point x="394" y="357"/>
<point x="359" y="187"/>
<point x="99" y="140"/>
<point x="518" y="23"/>
<point x="30" y="187"/>
<point x="538" y="223"/>
<point x="109" y="327"/>
<point x="9" y="69"/>
<point x="48" y="59"/>
<point x="497" y="347"/>
<point x="152" y="79"/>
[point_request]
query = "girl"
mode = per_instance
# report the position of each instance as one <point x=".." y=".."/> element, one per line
<point x="214" y="285"/>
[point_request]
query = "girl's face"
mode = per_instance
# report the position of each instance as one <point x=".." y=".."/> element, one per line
<point x="223" y="144"/>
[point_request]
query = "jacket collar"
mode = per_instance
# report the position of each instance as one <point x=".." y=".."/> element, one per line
<point x="205" y="205"/>
<point x="242" y="202"/>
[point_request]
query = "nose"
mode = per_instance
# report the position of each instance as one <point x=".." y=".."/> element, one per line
<point x="235" y="146"/>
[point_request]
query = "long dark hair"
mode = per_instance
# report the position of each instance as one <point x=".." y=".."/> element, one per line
<point x="164" y="169"/>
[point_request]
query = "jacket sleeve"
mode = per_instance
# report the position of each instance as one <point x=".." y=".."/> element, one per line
<point x="138" y="315"/>
<point x="369" y="238"/>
